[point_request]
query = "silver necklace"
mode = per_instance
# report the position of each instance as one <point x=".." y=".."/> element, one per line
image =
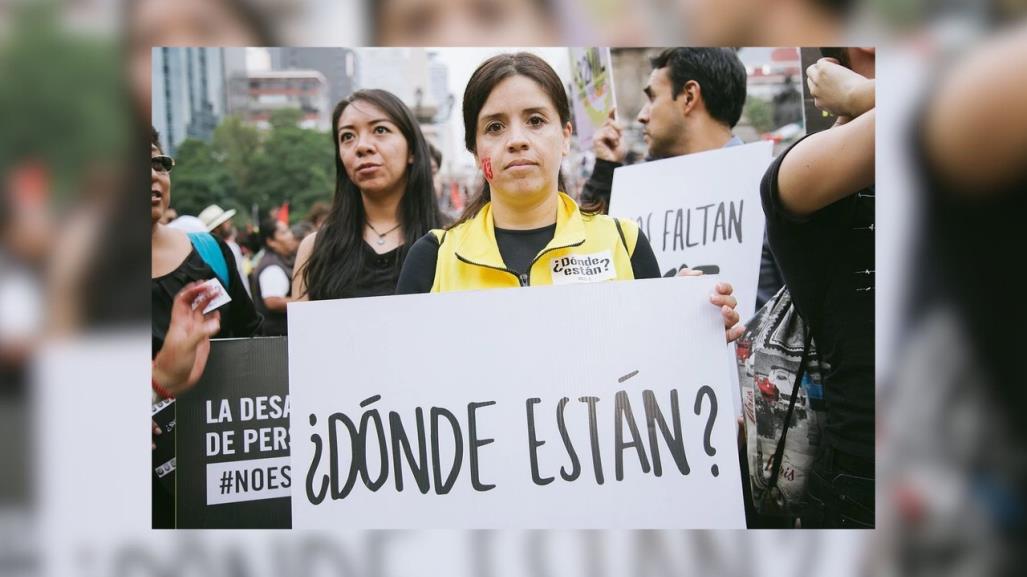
<point x="381" y="235"/>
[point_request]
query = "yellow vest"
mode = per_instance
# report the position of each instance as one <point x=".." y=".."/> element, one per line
<point x="585" y="248"/>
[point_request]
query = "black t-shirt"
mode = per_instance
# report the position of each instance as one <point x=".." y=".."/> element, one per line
<point x="598" y="186"/>
<point x="517" y="247"/>
<point x="380" y="274"/>
<point x="239" y="318"/>
<point x="827" y="261"/>
<point x="377" y="277"/>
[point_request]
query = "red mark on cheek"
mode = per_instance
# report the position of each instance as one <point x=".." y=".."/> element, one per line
<point x="486" y="167"/>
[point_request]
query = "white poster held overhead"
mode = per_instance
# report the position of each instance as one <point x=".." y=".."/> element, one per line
<point x="592" y="91"/>
<point x="579" y="406"/>
<point x="703" y="211"/>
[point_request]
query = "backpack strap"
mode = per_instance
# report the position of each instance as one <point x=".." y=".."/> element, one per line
<point x="620" y="231"/>
<point x="211" y="254"/>
<point x="779" y="451"/>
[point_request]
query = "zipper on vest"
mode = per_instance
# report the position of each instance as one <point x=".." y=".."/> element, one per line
<point x="526" y="278"/>
<point x="506" y="270"/>
<point x="523" y="279"/>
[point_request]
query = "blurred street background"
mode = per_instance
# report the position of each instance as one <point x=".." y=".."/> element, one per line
<point x="75" y="98"/>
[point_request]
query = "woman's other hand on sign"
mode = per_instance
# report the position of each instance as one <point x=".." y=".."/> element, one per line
<point x="723" y="298"/>
<point x="607" y="142"/>
<point x="838" y="89"/>
<point x="181" y="360"/>
<point x="154" y="431"/>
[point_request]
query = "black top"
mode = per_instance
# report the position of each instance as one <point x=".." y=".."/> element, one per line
<point x="380" y="274"/>
<point x="827" y="262"/>
<point x="238" y="318"/>
<point x="596" y="191"/>
<point x="517" y="247"/>
<point x="377" y="276"/>
<point x="276" y="323"/>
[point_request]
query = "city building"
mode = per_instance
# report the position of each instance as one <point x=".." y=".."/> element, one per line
<point x="255" y="96"/>
<point x="770" y="68"/>
<point x="339" y="66"/>
<point x="189" y="98"/>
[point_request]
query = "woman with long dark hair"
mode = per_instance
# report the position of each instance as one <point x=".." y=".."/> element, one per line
<point x="383" y="201"/>
<point x="522" y="229"/>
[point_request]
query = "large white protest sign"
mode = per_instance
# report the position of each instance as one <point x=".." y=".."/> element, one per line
<point x="701" y="210"/>
<point x="581" y="406"/>
<point x="593" y="97"/>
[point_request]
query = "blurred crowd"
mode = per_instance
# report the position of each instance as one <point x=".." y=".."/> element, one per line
<point x="950" y="487"/>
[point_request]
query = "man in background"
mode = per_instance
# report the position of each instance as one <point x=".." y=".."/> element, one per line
<point x="694" y="98"/>
<point x="272" y="278"/>
<point x="219" y="223"/>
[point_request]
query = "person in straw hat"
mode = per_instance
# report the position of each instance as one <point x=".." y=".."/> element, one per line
<point x="219" y="223"/>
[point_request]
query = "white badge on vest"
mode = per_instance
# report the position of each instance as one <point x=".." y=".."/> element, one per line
<point x="581" y="268"/>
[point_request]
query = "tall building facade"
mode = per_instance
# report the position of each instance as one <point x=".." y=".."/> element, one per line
<point x="189" y="92"/>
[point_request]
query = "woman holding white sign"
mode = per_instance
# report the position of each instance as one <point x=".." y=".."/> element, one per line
<point x="383" y="199"/>
<point x="522" y="230"/>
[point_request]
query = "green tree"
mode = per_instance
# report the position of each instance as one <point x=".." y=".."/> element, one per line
<point x="236" y="144"/>
<point x="760" y="114"/>
<point x="200" y="179"/>
<point x="296" y="165"/>
<point x="285" y="118"/>
<point x="293" y="167"/>
<point x="242" y="167"/>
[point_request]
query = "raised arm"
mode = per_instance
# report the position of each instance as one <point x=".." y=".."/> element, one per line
<point x="828" y="166"/>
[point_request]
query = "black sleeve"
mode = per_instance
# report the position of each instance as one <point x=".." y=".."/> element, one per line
<point x="240" y="318"/>
<point x="771" y="196"/>
<point x="643" y="260"/>
<point x="597" y="189"/>
<point x="418" y="274"/>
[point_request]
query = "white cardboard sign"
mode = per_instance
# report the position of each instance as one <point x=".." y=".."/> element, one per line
<point x="540" y="408"/>
<point x="702" y="210"/>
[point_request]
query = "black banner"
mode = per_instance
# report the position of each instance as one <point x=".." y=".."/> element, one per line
<point x="232" y="448"/>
